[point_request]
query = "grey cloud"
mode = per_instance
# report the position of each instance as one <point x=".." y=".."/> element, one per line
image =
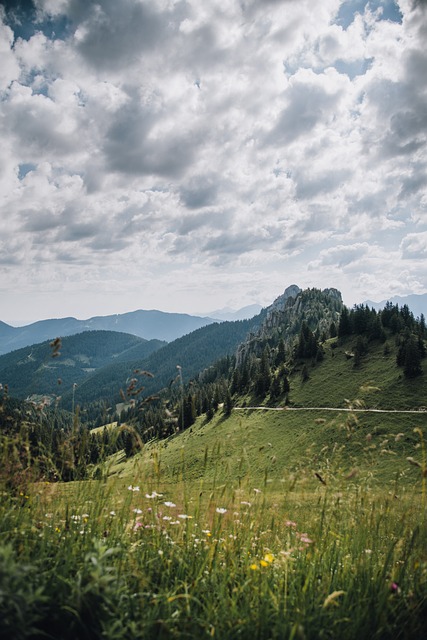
<point x="208" y="218"/>
<point x="32" y="125"/>
<point x="200" y="191"/>
<point x="77" y="231"/>
<point x="401" y="116"/>
<point x="308" y="104"/>
<point x="117" y="32"/>
<point x="414" y="246"/>
<point x="108" y="241"/>
<point x="371" y="203"/>
<point x="327" y="182"/>
<point x="38" y="221"/>
<point x="228" y="244"/>
<point x="414" y="183"/>
<point x="344" y="255"/>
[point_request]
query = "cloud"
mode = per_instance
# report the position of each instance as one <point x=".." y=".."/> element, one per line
<point x="311" y="99"/>
<point x="414" y="246"/>
<point x="151" y="141"/>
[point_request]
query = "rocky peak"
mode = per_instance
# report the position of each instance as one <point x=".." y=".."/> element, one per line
<point x="280" y="303"/>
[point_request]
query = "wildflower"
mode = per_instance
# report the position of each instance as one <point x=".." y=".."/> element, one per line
<point x="257" y="490"/>
<point x="304" y="538"/>
<point x="394" y="587"/>
<point x="160" y="552"/>
<point x="131" y="488"/>
<point x="167" y="518"/>
<point x="290" y="523"/>
<point x="221" y="510"/>
<point x="169" y="504"/>
<point x="269" y="557"/>
<point x="154" y="495"/>
<point x="137" y="511"/>
<point x="247" y="504"/>
<point x="263" y="563"/>
<point x="184" y="516"/>
<point x="254" y="567"/>
<point x="112" y="513"/>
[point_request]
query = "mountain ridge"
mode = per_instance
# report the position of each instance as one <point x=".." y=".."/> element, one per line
<point x="147" y="324"/>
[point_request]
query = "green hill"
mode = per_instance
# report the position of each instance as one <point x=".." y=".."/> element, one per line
<point x="193" y="352"/>
<point x="44" y="369"/>
<point x="294" y="443"/>
<point x="294" y="401"/>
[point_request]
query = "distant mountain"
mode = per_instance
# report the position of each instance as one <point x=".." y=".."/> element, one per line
<point x="38" y="370"/>
<point x="245" y="313"/>
<point x="416" y="303"/>
<point x="150" y="325"/>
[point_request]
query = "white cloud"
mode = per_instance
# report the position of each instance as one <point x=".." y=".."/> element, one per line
<point x="213" y="146"/>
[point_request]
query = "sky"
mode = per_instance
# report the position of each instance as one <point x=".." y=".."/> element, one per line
<point x="186" y="155"/>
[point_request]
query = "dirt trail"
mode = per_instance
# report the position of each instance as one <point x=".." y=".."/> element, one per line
<point x="355" y="410"/>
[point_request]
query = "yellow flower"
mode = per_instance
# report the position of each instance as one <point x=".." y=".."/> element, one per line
<point x="263" y="563"/>
<point x="269" y="558"/>
<point x="254" y="567"/>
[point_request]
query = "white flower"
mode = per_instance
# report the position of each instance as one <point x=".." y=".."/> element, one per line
<point x="131" y="488"/>
<point x="221" y="510"/>
<point x="137" y="511"/>
<point x="169" y="504"/>
<point x="184" y="516"/>
<point x="153" y="495"/>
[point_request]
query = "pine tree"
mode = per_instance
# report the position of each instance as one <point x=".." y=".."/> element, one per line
<point x="412" y="359"/>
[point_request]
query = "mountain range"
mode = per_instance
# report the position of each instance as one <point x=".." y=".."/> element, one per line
<point x="99" y="363"/>
<point x="417" y="303"/>
<point x="150" y="325"/>
<point x="154" y="324"/>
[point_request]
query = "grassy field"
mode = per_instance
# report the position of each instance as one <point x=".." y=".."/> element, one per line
<point x="262" y="525"/>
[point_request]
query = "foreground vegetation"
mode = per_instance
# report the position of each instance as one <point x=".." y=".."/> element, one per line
<point x="192" y="540"/>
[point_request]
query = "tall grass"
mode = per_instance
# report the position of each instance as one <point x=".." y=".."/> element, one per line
<point x="142" y="557"/>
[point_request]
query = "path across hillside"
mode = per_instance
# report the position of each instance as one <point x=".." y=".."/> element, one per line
<point x="340" y="410"/>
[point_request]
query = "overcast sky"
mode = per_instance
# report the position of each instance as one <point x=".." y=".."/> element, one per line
<point x="186" y="155"/>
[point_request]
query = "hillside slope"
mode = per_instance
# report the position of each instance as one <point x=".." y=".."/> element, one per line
<point x="193" y="353"/>
<point x="291" y="446"/>
<point x="40" y="369"/>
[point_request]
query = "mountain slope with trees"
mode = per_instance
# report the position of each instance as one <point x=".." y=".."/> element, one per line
<point x="52" y="368"/>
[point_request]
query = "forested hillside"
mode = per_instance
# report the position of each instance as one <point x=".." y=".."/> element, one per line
<point x="193" y="353"/>
<point x="52" y="368"/>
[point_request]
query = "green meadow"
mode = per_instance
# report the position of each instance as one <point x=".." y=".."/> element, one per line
<point x="265" y="524"/>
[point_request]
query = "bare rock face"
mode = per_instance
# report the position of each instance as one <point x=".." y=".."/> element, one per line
<point x="280" y="303"/>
